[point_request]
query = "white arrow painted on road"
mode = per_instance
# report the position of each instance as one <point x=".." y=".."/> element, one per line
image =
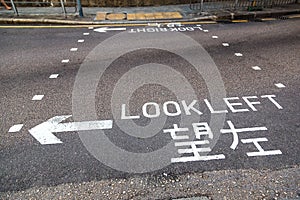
<point x="44" y="131"/>
<point x="105" y="29"/>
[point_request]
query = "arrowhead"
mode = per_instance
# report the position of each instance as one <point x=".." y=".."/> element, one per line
<point x="101" y="30"/>
<point x="43" y="132"/>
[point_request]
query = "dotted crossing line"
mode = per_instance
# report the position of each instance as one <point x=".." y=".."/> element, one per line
<point x="17" y="127"/>
<point x="238" y="54"/>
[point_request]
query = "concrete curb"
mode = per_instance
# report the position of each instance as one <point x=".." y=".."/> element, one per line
<point x="219" y="18"/>
<point x="77" y="22"/>
<point x="252" y="16"/>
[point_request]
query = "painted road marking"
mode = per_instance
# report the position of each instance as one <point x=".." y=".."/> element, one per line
<point x="268" y="19"/>
<point x="86" y="34"/>
<point x="294" y="16"/>
<point x="257" y="68"/>
<point x="37" y="97"/>
<point x="215" y="37"/>
<point x="205" y="31"/>
<point x="235" y="105"/>
<point x="53" y="76"/>
<point x="280" y="85"/>
<point x="105" y="29"/>
<point x="73" y="49"/>
<point x="164" y="29"/>
<point x="239" y="21"/>
<point x="65" y="61"/>
<point x="15" y="128"/>
<point x="225" y="44"/>
<point x="44" y="131"/>
<point x="80" y="41"/>
<point x="238" y="54"/>
<point x="90" y="28"/>
<point x="261" y="151"/>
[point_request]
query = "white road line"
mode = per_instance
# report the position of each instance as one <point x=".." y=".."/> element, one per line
<point x="65" y="61"/>
<point x="37" y="97"/>
<point x="238" y="54"/>
<point x="90" y="28"/>
<point x="73" y="49"/>
<point x="280" y="85"/>
<point x="80" y="41"/>
<point x="52" y="76"/>
<point x="205" y="31"/>
<point x="225" y="44"/>
<point x="198" y="24"/>
<point x="257" y="68"/>
<point x="44" y="131"/>
<point x="215" y="37"/>
<point x="86" y="33"/>
<point x="15" y="128"/>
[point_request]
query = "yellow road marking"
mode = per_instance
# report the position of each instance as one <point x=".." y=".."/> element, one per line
<point x="268" y="19"/>
<point x="293" y="16"/>
<point x="240" y="21"/>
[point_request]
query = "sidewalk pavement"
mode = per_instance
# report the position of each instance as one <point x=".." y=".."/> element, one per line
<point x="133" y="15"/>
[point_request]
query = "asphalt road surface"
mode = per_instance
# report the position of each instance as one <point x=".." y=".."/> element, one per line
<point x="156" y="112"/>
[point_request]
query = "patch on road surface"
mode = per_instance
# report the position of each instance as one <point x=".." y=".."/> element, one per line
<point x="138" y="16"/>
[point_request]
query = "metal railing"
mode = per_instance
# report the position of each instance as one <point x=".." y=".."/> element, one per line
<point x="208" y="5"/>
<point x="44" y="3"/>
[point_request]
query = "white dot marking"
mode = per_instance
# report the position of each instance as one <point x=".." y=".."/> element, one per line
<point x="37" y="97"/>
<point x="52" y="76"/>
<point x="65" y="61"/>
<point x="15" y="128"/>
<point x="238" y="54"/>
<point x="257" y="68"/>
<point x="215" y="37"/>
<point x="280" y="85"/>
<point x="86" y="33"/>
<point x="73" y="49"/>
<point x="80" y="41"/>
<point x="225" y="44"/>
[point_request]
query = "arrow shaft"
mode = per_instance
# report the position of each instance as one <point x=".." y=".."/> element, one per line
<point x="44" y="131"/>
<point x="82" y="126"/>
<point x="116" y="29"/>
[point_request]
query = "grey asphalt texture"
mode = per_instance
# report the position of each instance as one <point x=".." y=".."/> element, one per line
<point x="31" y="170"/>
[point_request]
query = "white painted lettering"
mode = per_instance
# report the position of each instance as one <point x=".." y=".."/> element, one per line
<point x="132" y="31"/>
<point x="163" y="29"/>
<point x="251" y="103"/>
<point x="151" y="30"/>
<point x="189" y="107"/>
<point x="211" y="108"/>
<point x="141" y="30"/>
<point x="173" y="29"/>
<point x="177" y="107"/>
<point x="271" y="98"/>
<point x="123" y="114"/>
<point x="231" y="104"/>
<point x="145" y="111"/>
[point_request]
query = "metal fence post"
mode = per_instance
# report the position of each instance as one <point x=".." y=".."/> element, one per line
<point x="14" y="7"/>
<point x="63" y="8"/>
<point x="236" y="4"/>
<point x="79" y="8"/>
